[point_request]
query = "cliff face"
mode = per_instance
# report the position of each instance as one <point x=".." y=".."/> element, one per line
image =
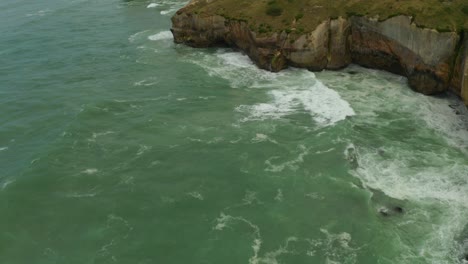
<point x="433" y="62"/>
<point x="423" y="55"/>
<point x="460" y="74"/>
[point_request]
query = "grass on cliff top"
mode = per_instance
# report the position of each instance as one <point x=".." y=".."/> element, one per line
<point x="264" y="16"/>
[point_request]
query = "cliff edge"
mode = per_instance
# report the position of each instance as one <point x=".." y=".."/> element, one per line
<point x="317" y="35"/>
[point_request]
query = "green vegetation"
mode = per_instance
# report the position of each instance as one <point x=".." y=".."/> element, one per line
<point x="465" y="9"/>
<point x="264" y="28"/>
<point x="273" y="9"/>
<point x="299" y="16"/>
<point x="305" y="15"/>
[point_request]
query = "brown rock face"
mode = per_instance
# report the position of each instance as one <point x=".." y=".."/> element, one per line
<point x="197" y="31"/>
<point x="395" y="45"/>
<point x="309" y="50"/>
<point x="460" y="72"/>
<point x="339" y="55"/>
<point x="431" y="60"/>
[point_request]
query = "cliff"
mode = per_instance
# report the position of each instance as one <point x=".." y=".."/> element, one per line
<point x="433" y="60"/>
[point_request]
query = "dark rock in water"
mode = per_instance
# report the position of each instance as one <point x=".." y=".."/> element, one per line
<point x="352" y="157"/>
<point x="466" y="257"/>
<point x="384" y="211"/>
<point x="381" y="152"/>
<point x="353" y="72"/>
<point x="398" y="209"/>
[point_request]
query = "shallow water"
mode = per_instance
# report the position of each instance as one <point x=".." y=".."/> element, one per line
<point x="118" y="146"/>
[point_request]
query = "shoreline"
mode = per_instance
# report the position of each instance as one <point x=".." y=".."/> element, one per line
<point x="433" y="62"/>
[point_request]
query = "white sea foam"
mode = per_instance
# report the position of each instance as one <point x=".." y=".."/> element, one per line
<point x="5" y="183"/>
<point x="425" y="173"/>
<point x="206" y="97"/>
<point x="121" y="224"/>
<point x="39" y="13"/>
<point x="214" y="140"/>
<point x="251" y="197"/>
<point x="127" y="180"/>
<point x="439" y="116"/>
<point x="437" y="180"/>
<point x="97" y="135"/>
<point x="232" y="66"/>
<point x="143" y="149"/>
<point x="164" y="35"/>
<point x="279" y="195"/>
<point x="90" y="171"/>
<point x="324" y="151"/>
<point x="81" y="195"/>
<point x="153" y="5"/>
<point x="137" y="36"/>
<point x="324" y="105"/>
<point x="170" y="7"/>
<point x="169" y="11"/>
<point x="3" y="148"/>
<point x="259" y="137"/>
<point x="235" y="140"/>
<point x="335" y="247"/>
<point x="290" y="164"/>
<point x="314" y="196"/>
<point x="370" y="92"/>
<point x="196" y="195"/>
<point x="290" y="91"/>
<point x="224" y="220"/>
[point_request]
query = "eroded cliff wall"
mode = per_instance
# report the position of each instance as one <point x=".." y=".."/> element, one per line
<point x="433" y="61"/>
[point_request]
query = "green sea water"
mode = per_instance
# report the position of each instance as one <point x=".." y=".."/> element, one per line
<point x="119" y="146"/>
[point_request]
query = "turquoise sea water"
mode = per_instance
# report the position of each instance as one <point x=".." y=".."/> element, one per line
<point x="118" y="146"/>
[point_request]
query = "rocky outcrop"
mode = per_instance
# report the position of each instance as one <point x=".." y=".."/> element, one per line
<point x="423" y="55"/>
<point x="433" y="61"/>
<point x="324" y="48"/>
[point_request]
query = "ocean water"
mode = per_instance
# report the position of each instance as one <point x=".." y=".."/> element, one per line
<point x="118" y="146"/>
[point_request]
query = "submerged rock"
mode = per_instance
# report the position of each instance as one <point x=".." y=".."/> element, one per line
<point x="352" y="156"/>
<point x="384" y="211"/>
<point x="398" y="209"/>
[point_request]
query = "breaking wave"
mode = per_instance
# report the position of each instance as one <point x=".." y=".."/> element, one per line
<point x="290" y="91"/>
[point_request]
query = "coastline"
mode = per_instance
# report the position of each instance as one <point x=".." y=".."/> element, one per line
<point x="434" y="62"/>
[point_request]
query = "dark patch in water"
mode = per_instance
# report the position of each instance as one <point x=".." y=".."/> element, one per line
<point x="352" y="157"/>
<point x="381" y="151"/>
<point x="398" y="209"/>
<point x="385" y="211"/>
